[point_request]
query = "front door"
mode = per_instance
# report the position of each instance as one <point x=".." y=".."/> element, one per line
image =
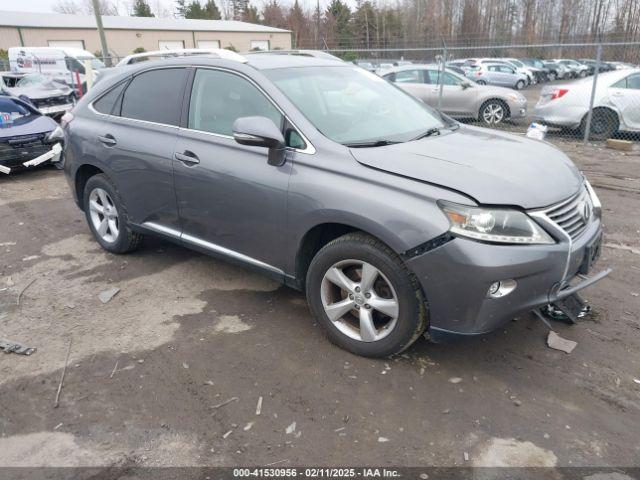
<point x="458" y="95"/>
<point x="230" y="200"/>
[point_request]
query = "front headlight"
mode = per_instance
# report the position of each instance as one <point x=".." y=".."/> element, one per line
<point x="494" y="225"/>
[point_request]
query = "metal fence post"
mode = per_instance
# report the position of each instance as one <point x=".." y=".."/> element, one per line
<point x="443" y="60"/>
<point x="587" y="127"/>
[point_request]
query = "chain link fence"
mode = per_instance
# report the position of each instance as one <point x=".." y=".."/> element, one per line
<point x="580" y="91"/>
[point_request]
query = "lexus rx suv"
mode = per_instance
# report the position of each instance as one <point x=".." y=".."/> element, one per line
<point x="395" y="220"/>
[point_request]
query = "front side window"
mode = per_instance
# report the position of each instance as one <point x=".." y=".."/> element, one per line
<point x="449" y="79"/>
<point x="155" y="96"/>
<point x="352" y="106"/>
<point x="219" y="98"/>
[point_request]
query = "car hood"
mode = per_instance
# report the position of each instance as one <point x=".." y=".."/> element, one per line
<point x="491" y="167"/>
<point x="34" y="126"/>
<point x="38" y="92"/>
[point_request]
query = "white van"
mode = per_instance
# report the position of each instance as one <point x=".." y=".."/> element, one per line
<point x="60" y="63"/>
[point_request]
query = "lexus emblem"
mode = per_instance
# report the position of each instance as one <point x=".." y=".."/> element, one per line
<point x="584" y="210"/>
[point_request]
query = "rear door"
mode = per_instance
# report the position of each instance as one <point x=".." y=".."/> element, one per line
<point x="625" y="95"/>
<point x="137" y="145"/>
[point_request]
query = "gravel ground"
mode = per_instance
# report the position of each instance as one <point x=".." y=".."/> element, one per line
<point x="171" y="370"/>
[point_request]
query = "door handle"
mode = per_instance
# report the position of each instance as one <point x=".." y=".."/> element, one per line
<point x="108" y="140"/>
<point x="187" y="157"/>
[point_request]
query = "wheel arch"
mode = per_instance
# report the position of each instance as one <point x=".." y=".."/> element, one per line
<point x="317" y="236"/>
<point x="82" y="176"/>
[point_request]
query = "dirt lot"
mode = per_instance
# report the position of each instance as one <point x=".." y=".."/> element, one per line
<point x="187" y="333"/>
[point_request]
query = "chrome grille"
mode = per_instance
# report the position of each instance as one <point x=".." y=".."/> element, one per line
<point x="572" y="215"/>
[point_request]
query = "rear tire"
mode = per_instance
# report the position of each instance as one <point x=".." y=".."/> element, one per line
<point x="481" y="82"/>
<point x="107" y="216"/>
<point x="520" y="84"/>
<point x="376" y="304"/>
<point x="604" y="124"/>
<point x="552" y="76"/>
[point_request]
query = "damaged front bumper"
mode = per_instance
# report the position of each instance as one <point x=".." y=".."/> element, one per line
<point x="17" y="156"/>
<point x="458" y="275"/>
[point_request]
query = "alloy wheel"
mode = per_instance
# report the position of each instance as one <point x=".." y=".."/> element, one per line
<point x="493" y="113"/>
<point x="359" y="300"/>
<point x="104" y="215"/>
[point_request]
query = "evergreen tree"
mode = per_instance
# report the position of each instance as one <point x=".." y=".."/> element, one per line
<point x="141" y="9"/>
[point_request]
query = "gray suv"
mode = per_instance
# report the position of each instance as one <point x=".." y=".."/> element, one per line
<point x="394" y="219"/>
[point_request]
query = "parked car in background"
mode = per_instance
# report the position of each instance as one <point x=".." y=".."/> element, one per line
<point x="384" y="67"/>
<point x="537" y="67"/>
<point x="369" y="66"/>
<point x="521" y="70"/>
<point x="393" y="219"/>
<point x="557" y="70"/>
<point x="47" y="95"/>
<point x="461" y="98"/>
<point x="603" y="67"/>
<point x="576" y="69"/>
<point x="622" y="65"/>
<point x="26" y="136"/>
<point x="498" y="74"/>
<point x="616" y="105"/>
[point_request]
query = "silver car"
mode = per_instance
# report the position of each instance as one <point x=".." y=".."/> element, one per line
<point x="499" y="74"/>
<point x="616" y="105"/>
<point x="461" y="98"/>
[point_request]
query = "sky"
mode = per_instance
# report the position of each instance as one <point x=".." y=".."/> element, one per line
<point x="46" y="6"/>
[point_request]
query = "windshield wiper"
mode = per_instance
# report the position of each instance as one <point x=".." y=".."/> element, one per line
<point x="375" y="143"/>
<point x="428" y="133"/>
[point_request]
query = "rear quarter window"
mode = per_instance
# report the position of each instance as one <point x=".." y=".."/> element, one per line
<point x="107" y="103"/>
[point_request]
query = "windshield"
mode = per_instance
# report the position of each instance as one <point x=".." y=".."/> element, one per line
<point x="517" y="63"/>
<point x="351" y="105"/>
<point x="30" y="79"/>
<point x="12" y="113"/>
<point x="95" y="63"/>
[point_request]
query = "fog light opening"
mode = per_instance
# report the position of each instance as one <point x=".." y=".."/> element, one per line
<point x="501" y="288"/>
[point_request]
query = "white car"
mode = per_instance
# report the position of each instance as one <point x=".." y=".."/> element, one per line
<point x="616" y="105"/>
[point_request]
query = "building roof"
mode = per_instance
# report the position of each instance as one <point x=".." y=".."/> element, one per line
<point x="57" y="20"/>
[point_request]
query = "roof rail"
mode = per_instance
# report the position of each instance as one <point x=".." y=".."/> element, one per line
<point x="181" y="52"/>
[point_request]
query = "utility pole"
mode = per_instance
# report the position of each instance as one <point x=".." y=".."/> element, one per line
<point x="103" y="39"/>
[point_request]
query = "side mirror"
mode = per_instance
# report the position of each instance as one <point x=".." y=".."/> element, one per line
<point x="261" y="132"/>
<point x="465" y="85"/>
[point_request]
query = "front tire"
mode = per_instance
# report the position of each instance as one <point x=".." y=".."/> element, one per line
<point x="493" y="112"/>
<point x="520" y="85"/>
<point x="107" y="216"/>
<point x="364" y="296"/>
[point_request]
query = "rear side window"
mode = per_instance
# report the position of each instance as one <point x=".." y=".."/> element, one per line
<point x="409" y="76"/>
<point x="219" y="98"/>
<point x="106" y="103"/>
<point x="155" y="96"/>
